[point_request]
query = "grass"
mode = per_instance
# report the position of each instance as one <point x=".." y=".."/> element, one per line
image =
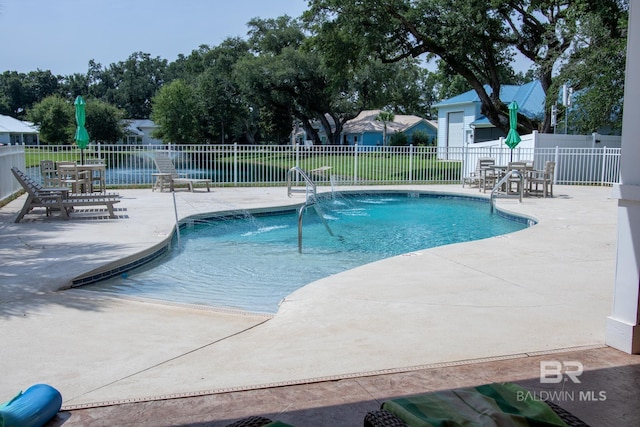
<point x="33" y="157"/>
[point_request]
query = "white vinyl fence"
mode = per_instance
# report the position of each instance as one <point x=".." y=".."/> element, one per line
<point x="10" y="156"/>
<point x="131" y="166"/>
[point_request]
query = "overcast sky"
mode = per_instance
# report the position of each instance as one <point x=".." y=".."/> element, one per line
<point x="63" y="35"/>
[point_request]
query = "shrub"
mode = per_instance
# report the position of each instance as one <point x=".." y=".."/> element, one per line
<point x="398" y="139"/>
<point x="421" y="138"/>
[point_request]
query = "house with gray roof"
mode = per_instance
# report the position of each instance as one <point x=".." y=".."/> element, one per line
<point x="366" y="130"/>
<point x="14" y="131"/>
<point x="460" y="120"/>
<point x="138" y="132"/>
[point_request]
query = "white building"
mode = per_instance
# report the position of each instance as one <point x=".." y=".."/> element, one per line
<point x="460" y="120"/>
<point x="138" y="132"/>
<point x="17" y="132"/>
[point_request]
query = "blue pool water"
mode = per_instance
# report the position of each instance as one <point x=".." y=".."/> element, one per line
<point x="251" y="262"/>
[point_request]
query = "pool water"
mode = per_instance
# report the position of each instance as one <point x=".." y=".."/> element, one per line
<point x="251" y="262"/>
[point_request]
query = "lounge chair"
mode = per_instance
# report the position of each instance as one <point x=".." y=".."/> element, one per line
<point x="58" y="198"/>
<point x="507" y="402"/>
<point x="168" y="173"/>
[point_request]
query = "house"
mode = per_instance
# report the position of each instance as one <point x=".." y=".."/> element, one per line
<point x="366" y="130"/>
<point x="460" y="120"/>
<point x="139" y="131"/>
<point x="299" y="135"/>
<point x="14" y="131"/>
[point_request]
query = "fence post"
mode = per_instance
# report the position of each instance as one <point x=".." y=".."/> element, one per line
<point x="604" y="164"/>
<point x="556" y="159"/>
<point x="355" y="163"/>
<point x="235" y="163"/>
<point x="410" y="163"/>
<point x="465" y="162"/>
<point x="297" y="162"/>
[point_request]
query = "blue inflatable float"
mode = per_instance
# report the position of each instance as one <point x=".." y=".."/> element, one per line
<point x="32" y="408"/>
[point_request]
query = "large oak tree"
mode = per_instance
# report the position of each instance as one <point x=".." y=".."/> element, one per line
<point x="477" y="40"/>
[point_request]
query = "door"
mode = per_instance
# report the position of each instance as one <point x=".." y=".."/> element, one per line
<point x="455" y="134"/>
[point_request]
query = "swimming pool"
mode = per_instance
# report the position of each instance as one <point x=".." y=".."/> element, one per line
<point x="251" y="261"/>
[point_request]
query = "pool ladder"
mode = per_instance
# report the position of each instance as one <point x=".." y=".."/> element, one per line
<point x="311" y="200"/>
<point x="503" y="181"/>
<point x="310" y="186"/>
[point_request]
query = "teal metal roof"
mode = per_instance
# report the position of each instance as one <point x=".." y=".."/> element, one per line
<point x="481" y="121"/>
<point x="530" y="98"/>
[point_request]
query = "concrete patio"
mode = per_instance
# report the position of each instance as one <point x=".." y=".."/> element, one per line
<point x="500" y="304"/>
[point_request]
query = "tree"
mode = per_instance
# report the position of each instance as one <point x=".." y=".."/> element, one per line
<point x="291" y="82"/>
<point x="466" y="34"/>
<point x="75" y="85"/>
<point x="318" y="80"/>
<point x="596" y="74"/>
<point x="477" y="40"/>
<point x="40" y="84"/>
<point x="225" y="113"/>
<point x="175" y="111"/>
<point x="19" y="91"/>
<point x="104" y="122"/>
<point x="129" y="85"/>
<point x="13" y="97"/>
<point x="385" y="117"/>
<point x="280" y="76"/>
<point x="56" y="119"/>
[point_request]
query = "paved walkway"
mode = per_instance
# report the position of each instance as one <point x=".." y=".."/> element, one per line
<point x="539" y="290"/>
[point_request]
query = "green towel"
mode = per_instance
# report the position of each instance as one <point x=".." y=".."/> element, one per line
<point x="496" y="404"/>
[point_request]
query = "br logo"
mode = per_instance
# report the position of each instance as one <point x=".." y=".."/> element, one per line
<point x="554" y="371"/>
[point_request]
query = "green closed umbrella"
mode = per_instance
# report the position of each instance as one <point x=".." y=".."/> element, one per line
<point x="513" y="139"/>
<point x="82" y="136"/>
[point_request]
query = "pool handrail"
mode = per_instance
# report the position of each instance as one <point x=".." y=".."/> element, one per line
<point x="504" y="179"/>
<point x="310" y="186"/>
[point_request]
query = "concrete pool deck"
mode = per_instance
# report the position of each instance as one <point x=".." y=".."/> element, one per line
<point x="544" y="289"/>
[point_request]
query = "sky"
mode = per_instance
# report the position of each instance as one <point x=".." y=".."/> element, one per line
<point x="64" y="35"/>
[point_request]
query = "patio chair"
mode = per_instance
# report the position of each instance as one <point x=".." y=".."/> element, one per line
<point x="49" y="173"/>
<point x="506" y="402"/>
<point x="69" y="175"/>
<point x="523" y="167"/>
<point x="58" y="198"/>
<point x="475" y="177"/>
<point x="168" y="173"/>
<point x="97" y="171"/>
<point x="488" y="174"/>
<point x="543" y="178"/>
